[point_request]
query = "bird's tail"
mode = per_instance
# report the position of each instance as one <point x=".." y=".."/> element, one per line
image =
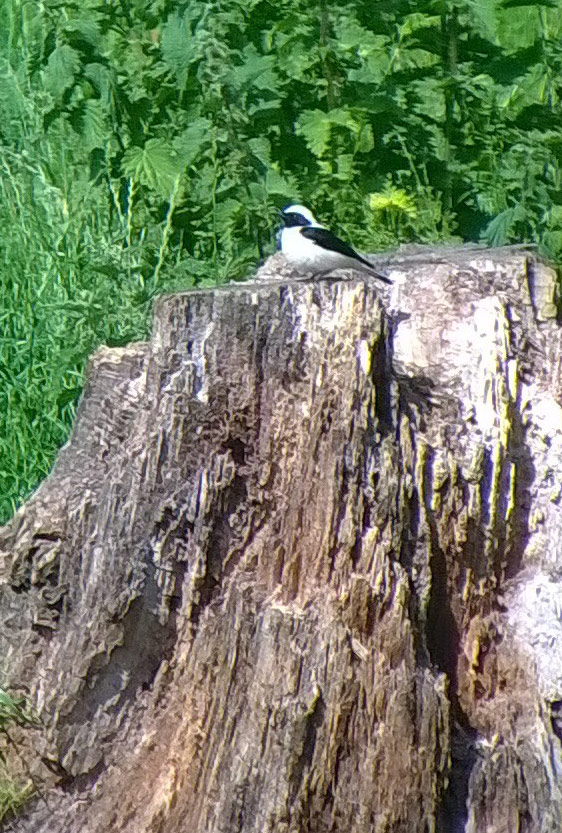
<point x="381" y="277"/>
<point x="375" y="273"/>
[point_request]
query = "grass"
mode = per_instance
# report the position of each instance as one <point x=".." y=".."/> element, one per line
<point x="68" y="282"/>
<point x="13" y="794"/>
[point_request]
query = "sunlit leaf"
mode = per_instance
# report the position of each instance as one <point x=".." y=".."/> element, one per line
<point x="393" y="199"/>
<point x="261" y="149"/>
<point x="156" y="165"/>
<point x="316" y="127"/>
<point x="103" y="81"/>
<point x="365" y="139"/>
<point x="256" y="70"/>
<point x="498" y="230"/>
<point x="191" y="142"/>
<point x="177" y="46"/>
<point x="277" y="184"/>
<point x="61" y="69"/>
<point x="93" y="125"/>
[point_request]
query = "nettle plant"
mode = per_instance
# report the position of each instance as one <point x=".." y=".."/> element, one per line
<point x="145" y="147"/>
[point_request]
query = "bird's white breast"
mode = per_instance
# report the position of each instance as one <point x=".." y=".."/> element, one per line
<point x="306" y="255"/>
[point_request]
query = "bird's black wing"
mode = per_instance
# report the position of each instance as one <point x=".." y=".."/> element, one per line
<point x="326" y="239"/>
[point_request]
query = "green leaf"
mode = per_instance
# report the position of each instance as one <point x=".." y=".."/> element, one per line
<point x="407" y="57"/>
<point x="485" y="14"/>
<point x="393" y="199"/>
<point x="256" y="71"/>
<point x="535" y="87"/>
<point x="520" y="26"/>
<point x="430" y="99"/>
<point x="61" y="69"/>
<point x="103" y="80"/>
<point x="553" y="241"/>
<point x="177" y="46"/>
<point x="13" y="101"/>
<point x="285" y="186"/>
<point x="316" y="127"/>
<point x="156" y="165"/>
<point x="87" y="27"/>
<point x="352" y="36"/>
<point x="261" y="106"/>
<point x="94" y="131"/>
<point x="193" y="141"/>
<point x="365" y="140"/>
<point x="261" y="149"/>
<point x="498" y="230"/>
<point x="419" y="20"/>
<point x="344" y="162"/>
<point x="343" y="117"/>
<point x="555" y="216"/>
<point x="226" y="212"/>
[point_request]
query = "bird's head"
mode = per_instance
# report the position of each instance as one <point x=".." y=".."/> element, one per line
<point x="297" y="215"/>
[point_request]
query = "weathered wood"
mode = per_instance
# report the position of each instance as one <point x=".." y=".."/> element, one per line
<point x="298" y="568"/>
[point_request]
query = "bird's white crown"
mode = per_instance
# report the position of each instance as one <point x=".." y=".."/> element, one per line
<point x="303" y="211"/>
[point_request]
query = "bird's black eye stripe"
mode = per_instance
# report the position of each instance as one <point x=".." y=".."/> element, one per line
<point x="295" y="219"/>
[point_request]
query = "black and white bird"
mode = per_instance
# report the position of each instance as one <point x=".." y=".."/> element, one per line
<point x="311" y="247"/>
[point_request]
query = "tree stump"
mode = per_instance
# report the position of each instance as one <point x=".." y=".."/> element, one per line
<point x="298" y="568"/>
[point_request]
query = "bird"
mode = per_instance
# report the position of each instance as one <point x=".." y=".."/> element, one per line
<point x="311" y="247"/>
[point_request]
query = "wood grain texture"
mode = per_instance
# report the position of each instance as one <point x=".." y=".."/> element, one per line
<point x="298" y="568"/>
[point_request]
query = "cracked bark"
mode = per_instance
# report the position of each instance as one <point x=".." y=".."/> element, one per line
<point x="298" y="568"/>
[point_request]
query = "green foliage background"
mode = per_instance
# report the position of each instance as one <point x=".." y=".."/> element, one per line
<point x="144" y="146"/>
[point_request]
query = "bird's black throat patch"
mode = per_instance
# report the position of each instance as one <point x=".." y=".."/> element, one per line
<point x="293" y="218"/>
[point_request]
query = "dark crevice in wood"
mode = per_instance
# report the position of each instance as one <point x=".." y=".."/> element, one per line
<point x="132" y="663"/>
<point x="312" y="722"/>
<point x="443" y="644"/>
